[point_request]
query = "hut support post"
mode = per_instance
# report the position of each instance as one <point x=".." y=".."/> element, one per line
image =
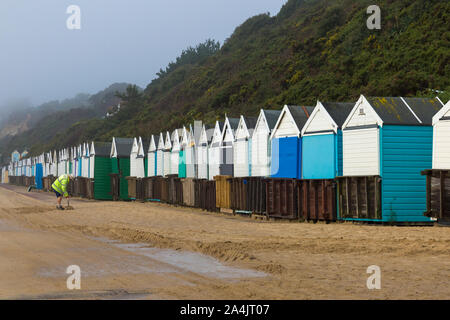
<point x="366" y="195"/>
<point x="323" y="183"/>
<point x="442" y="195"/>
<point x="358" y="213"/>
<point x="347" y="190"/>
<point x="377" y="207"/>
<point x="428" y="193"/>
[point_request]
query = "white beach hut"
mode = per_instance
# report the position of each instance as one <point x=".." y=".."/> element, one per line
<point x="140" y="159"/>
<point x="191" y="148"/>
<point x="167" y="154"/>
<point x="441" y="138"/>
<point x="160" y="155"/>
<point x="261" y="146"/>
<point x="29" y="165"/>
<point x="151" y="157"/>
<point x="214" y="151"/>
<point x="243" y="147"/>
<point x="59" y="162"/>
<point x="134" y="158"/>
<point x="202" y="151"/>
<point x="175" y="154"/>
<point x="54" y="163"/>
<point x="68" y="160"/>
<point x="74" y="161"/>
<point x="85" y="160"/>
<point x="227" y="146"/>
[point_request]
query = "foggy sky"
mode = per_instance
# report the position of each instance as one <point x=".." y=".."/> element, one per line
<point x="119" y="41"/>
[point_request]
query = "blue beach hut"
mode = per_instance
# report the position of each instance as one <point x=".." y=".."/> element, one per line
<point x="39" y="175"/>
<point x="287" y="142"/>
<point x="80" y="161"/>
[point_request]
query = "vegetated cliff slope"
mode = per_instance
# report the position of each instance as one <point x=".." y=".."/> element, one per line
<point x="36" y="127"/>
<point x="312" y="49"/>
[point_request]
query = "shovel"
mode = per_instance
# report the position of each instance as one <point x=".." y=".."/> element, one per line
<point x="69" y="207"/>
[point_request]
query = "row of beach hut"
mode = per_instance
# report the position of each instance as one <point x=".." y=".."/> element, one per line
<point x="375" y="150"/>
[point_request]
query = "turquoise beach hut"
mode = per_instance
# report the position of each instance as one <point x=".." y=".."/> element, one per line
<point x="322" y="140"/>
<point x="388" y="140"/>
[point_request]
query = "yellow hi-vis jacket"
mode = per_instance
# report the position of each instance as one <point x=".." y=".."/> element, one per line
<point x="60" y="184"/>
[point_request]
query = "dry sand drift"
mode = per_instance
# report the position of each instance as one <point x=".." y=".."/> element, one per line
<point x="155" y="251"/>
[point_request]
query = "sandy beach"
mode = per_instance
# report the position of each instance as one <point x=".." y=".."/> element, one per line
<point x="129" y="250"/>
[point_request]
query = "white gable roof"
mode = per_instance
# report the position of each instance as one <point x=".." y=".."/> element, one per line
<point x="191" y="139"/>
<point x="86" y="149"/>
<point x="444" y="112"/>
<point x="217" y="136"/>
<point x="261" y="123"/>
<point x="152" y="147"/>
<point x="92" y="152"/>
<point x="176" y="140"/>
<point x="141" y="151"/>
<point x="168" y="143"/>
<point x="320" y="120"/>
<point x="161" y="141"/>
<point x="242" y="130"/>
<point x="184" y="137"/>
<point x="113" y="149"/>
<point x="285" y="115"/>
<point x="227" y="132"/>
<point x="362" y="114"/>
<point x="203" y="136"/>
<point x="135" y="147"/>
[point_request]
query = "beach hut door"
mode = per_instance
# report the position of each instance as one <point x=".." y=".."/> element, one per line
<point x="226" y="161"/>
